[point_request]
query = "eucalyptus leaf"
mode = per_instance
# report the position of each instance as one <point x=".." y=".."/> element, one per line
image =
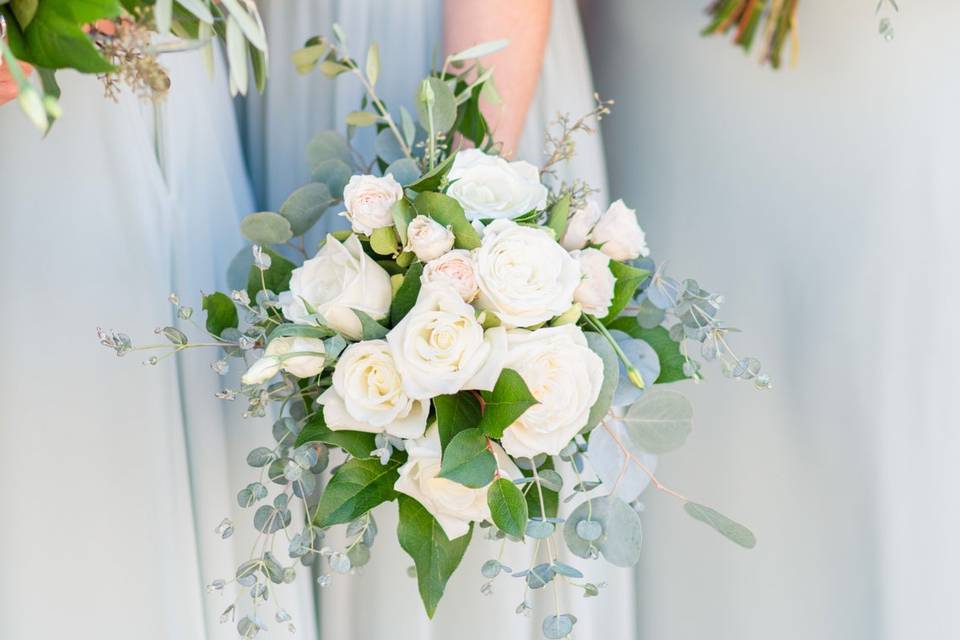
<point x="668" y="350"/>
<point x="644" y="359"/>
<point x="266" y="227"/>
<point x="622" y="534"/>
<point x="557" y="627"/>
<point x="373" y="63"/>
<point x="388" y="148"/>
<point x="479" y="50"/>
<point x="305" y="206"/>
<point x="660" y="421"/>
<point x="362" y="118"/>
<point x="277" y="277"/>
<point x="328" y="145"/>
<point x="404" y="170"/>
<point x="611" y="464"/>
<point x="334" y="173"/>
<point x="733" y="531"/>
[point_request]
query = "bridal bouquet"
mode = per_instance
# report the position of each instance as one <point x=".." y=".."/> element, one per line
<point x="485" y="346"/>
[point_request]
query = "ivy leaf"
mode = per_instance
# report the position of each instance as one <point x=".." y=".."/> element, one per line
<point x="659" y="421"/>
<point x="468" y="460"/>
<point x="359" y="444"/>
<point x="277" y="277"/>
<point x="449" y="213"/>
<point x="733" y="531"/>
<point x="507" y="402"/>
<point x="456" y="413"/>
<point x="508" y="508"/>
<point x="435" y="556"/>
<point x="221" y="313"/>
<point x="628" y="279"/>
<point x="558" y="217"/>
<point x="406" y="295"/>
<point x="357" y="486"/>
<point x="372" y="330"/>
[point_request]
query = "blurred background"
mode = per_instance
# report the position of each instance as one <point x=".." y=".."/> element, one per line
<point x="822" y="200"/>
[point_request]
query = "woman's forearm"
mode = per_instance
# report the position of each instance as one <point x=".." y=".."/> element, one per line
<point x="526" y="24"/>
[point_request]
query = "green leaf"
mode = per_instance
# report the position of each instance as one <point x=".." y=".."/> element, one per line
<point x="56" y="40"/>
<point x="266" y="227"/>
<point x="611" y="378"/>
<point x="432" y="180"/>
<point x="251" y="28"/>
<point x="362" y="118"/>
<point x="359" y="444"/>
<point x="373" y="63"/>
<point x="305" y="59"/>
<point x="659" y="421"/>
<point x="628" y="279"/>
<point x="435" y="556"/>
<point x="198" y="8"/>
<point x="508" y="508"/>
<point x="402" y="212"/>
<point x="372" y="330"/>
<point x="442" y="105"/>
<point x="406" y="295"/>
<point x="221" y="313"/>
<point x="277" y="277"/>
<point x="468" y="460"/>
<point x="455" y="413"/>
<point x="471" y="121"/>
<point x="305" y="206"/>
<point x="327" y="145"/>
<point x="24" y="10"/>
<point x="479" y="50"/>
<point x="733" y="531"/>
<point x="384" y="241"/>
<point x="449" y="213"/>
<point x="332" y="69"/>
<point x="357" y="486"/>
<point x="558" y="217"/>
<point x="507" y="402"/>
<point x="668" y="351"/>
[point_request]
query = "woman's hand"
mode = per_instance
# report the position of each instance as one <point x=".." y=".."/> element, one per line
<point x="8" y="86"/>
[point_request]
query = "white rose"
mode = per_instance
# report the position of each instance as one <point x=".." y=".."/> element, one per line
<point x="595" y="292"/>
<point x="428" y="239"/>
<point x="452" y="504"/>
<point x="524" y="276"/>
<point x="340" y="278"/>
<point x="565" y="377"/>
<point x="367" y="394"/>
<point x="490" y="187"/>
<point x="455" y="268"/>
<point x="368" y="200"/>
<point x="440" y="348"/>
<point x="281" y="353"/>
<point x="580" y="225"/>
<point x="619" y="234"/>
